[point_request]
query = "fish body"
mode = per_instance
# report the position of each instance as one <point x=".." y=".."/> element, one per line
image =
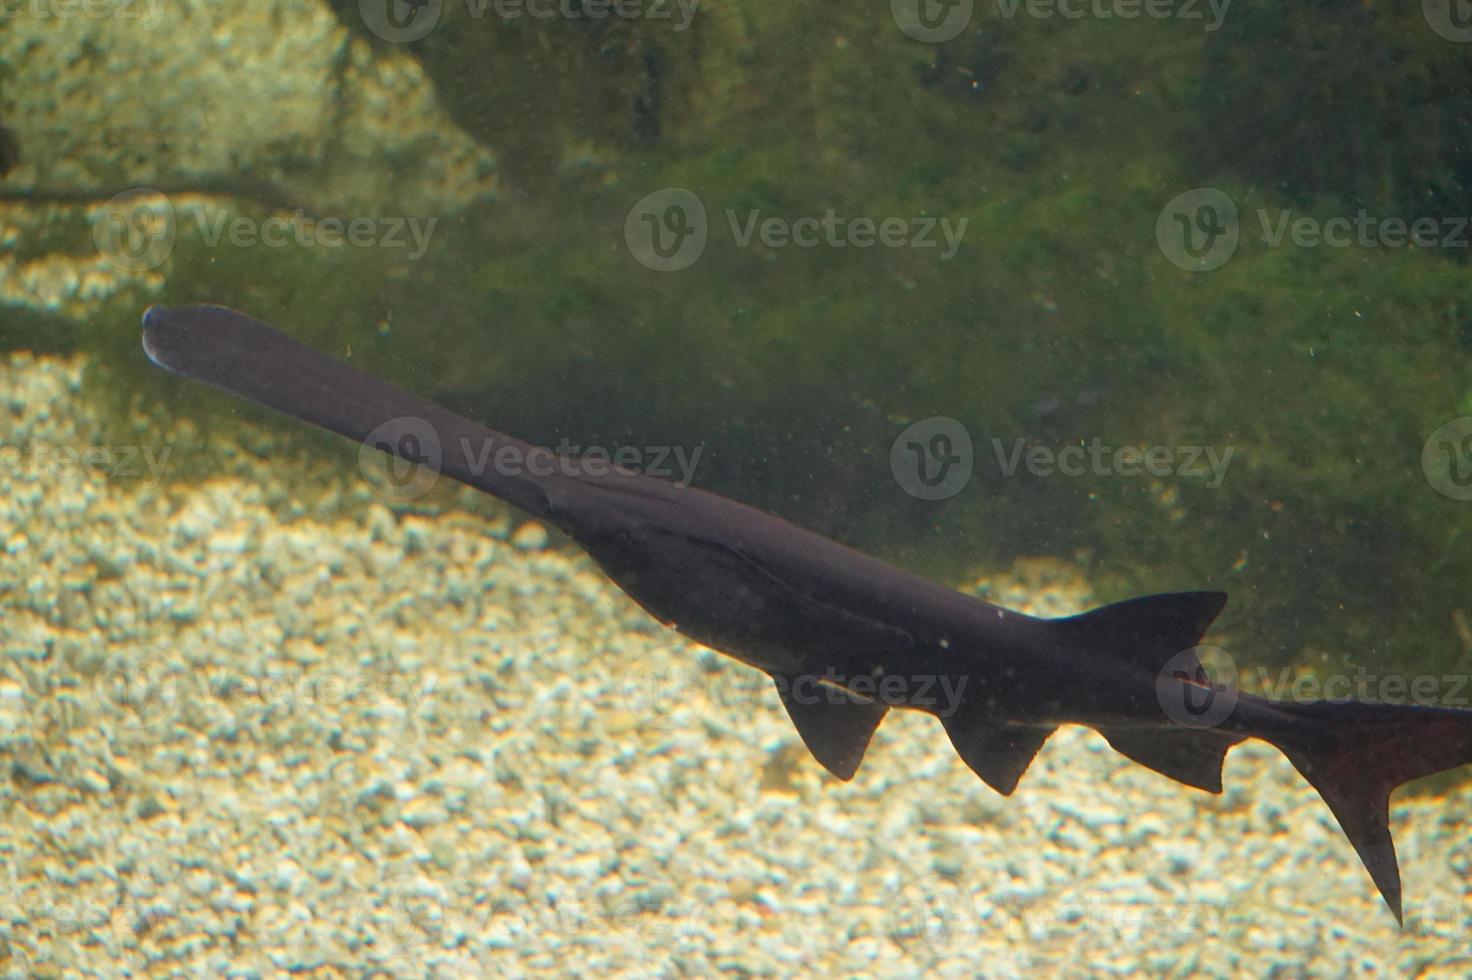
<point x="846" y="637"/>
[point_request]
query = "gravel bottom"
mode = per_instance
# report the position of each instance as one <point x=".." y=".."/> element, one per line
<point x="246" y="743"/>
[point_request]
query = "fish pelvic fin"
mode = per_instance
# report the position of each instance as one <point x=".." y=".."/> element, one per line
<point x="998" y="752"/>
<point x="835" y="724"/>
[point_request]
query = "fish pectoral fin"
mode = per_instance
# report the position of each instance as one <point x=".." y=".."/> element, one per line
<point x="836" y="725"/>
<point x="1192" y="756"/>
<point x="997" y="752"/>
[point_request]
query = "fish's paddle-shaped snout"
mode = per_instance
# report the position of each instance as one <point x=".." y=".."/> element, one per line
<point x="197" y="341"/>
<point x="246" y="357"/>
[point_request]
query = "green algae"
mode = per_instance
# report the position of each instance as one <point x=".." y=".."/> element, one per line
<point x="1323" y="369"/>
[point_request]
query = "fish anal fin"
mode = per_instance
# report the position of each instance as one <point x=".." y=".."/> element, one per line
<point x="997" y="752"/>
<point x="836" y="725"/>
<point x="1193" y="756"/>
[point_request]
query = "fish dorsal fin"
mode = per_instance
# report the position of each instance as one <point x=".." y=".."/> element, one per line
<point x="1147" y="631"/>
<point x="998" y="753"/>
<point x="835" y="724"/>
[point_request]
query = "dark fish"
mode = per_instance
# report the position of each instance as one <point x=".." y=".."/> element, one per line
<point x="846" y="637"/>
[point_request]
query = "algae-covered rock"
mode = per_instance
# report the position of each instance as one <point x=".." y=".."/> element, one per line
<point x="1364" y="103"/>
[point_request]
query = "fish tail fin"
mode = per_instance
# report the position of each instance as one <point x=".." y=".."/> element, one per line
<point x="1356" y="753"/>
